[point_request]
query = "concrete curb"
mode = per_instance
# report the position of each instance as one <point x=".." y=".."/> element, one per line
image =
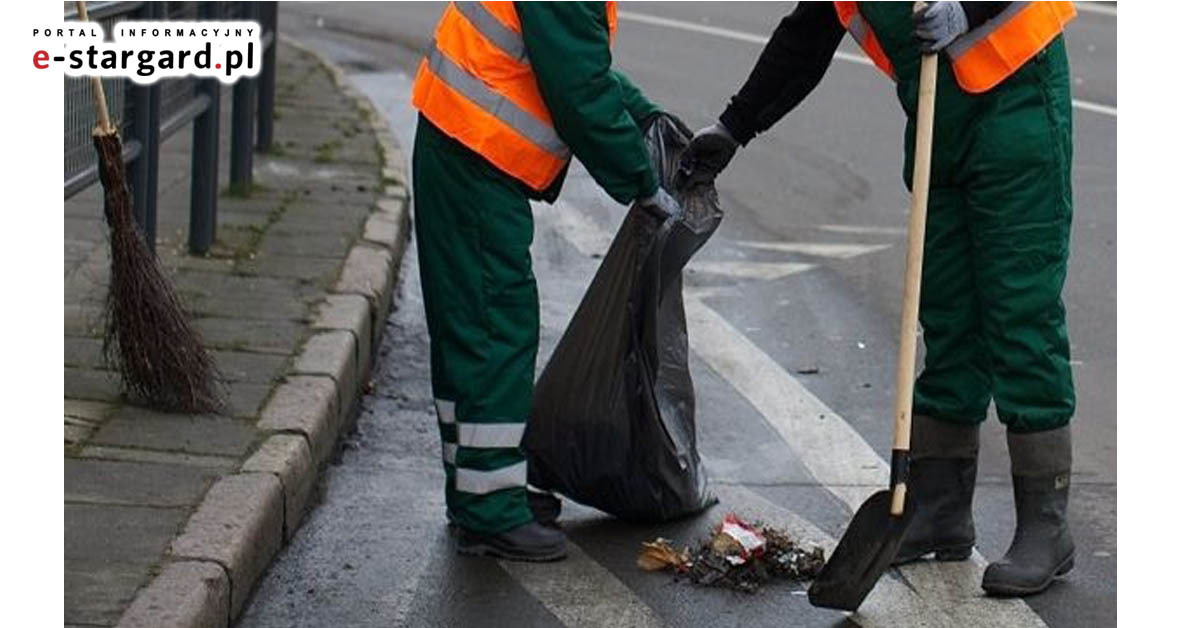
<point x="187" y="594"/>
<point x="239" y="526"/>
<point x="288" y="458"/>
<point x="248" y="516"/>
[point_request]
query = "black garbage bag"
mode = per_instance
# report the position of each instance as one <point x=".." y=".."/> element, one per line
<point x="613" y="423"/>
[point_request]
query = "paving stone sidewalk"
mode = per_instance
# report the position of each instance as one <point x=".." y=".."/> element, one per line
<point x="170" y="519"/>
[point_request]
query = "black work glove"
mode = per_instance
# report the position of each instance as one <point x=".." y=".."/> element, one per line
<point x="937" y="24"/>
<point x="706" y="156"/>
<point x="661" y="205"/>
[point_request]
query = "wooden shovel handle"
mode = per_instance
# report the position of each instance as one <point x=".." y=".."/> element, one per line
<point x="906" y="362"/>
<point x="102" y="120"/>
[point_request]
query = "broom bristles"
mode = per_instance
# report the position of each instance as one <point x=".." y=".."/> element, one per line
<point x="148" y="338"/>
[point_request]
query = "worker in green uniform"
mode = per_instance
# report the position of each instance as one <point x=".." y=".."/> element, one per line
<point x="495" y="74"/>
<point x="999" y="220"/>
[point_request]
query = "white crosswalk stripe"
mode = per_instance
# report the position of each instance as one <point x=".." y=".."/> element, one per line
<point x="864" y="230"/>
<point x="817" y="249"/>
<point x="765" y="271"/>
<point x="581" y="593"/>
<point x="831" y="449"/>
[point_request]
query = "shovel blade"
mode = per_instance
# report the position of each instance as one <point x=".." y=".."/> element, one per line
<point x="866" y="550"/>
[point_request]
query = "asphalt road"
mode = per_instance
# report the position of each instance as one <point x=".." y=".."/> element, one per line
<point x="804" y="275"/>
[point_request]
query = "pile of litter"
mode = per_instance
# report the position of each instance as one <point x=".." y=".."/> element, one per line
<point x="738" y="556"/>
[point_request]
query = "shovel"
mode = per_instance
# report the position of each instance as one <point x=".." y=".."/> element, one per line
<point x="871" y="541"/>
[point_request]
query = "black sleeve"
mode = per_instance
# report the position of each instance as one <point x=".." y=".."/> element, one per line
<point x="790" y="66"/>
<point x="980" y="12"/>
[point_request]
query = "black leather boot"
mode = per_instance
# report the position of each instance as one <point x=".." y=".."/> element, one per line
<point x="1042" y="547"/>
<point x="532" y="542"/>
<point x="941" y="487"/>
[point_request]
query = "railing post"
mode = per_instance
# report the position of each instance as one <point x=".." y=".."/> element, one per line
<point x="241" y="157"/>
<point x="206" y="137"/>
<point x="268" y="22"/>
<point x="144" y="172"/>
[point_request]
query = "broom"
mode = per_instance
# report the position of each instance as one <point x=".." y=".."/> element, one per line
<point x="148" y="339"/>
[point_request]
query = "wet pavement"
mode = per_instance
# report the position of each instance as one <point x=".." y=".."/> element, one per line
<point x="793" y="308"/>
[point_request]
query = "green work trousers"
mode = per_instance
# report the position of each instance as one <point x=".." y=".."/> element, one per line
<point x="996" y="240"/>
<point x="473" y="230"/>
<point x="996" y="248"/>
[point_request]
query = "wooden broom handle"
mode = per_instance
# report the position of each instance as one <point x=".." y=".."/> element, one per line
<point x="97" y="86"/>
<point x="906" y="362"/>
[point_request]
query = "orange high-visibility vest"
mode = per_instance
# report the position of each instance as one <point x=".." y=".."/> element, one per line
<point x="477" y="86"/>
<point x="984" y="56"/>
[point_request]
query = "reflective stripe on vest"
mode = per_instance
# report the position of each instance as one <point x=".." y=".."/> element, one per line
<point x="490" y="26"/>
<point x="984" y="56"/>
<point x="476" y="85"/>
<point x="987" y="55"/>
<point x="475" y="90"/>
<point x="858" y="28"/>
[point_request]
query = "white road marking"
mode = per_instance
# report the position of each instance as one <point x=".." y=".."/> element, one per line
<point x="817" y="249"/>
<point x="716" y="31"/>
<point x="1101" y="8"/>
<point x="581" y="593"/>
<point x="765" y="271"/>
<point x="654" y="20"/>
<point x="864" y="230"/>
<point x="835" y="454"/>
<point x="576" y="227"/>
<point x="1094" y="107"/>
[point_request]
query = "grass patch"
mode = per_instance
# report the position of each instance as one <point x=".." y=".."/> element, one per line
<point x="324" y="152"/>
<point x="244" y="190"/>
<point x="249" y="248"/>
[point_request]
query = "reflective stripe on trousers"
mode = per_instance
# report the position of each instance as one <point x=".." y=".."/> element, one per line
<point x="490" y="435"/>
<point x="445" y="411"/>
<point x="493" y="436"/>
<point x="481" y="436"/>
<point x="483" y="482"/>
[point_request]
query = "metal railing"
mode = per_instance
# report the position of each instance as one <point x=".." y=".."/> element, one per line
<point x="149" y="114"/>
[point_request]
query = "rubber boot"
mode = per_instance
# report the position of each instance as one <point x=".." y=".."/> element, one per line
<point x="531" y="542"/>
<point x="1042" y="547"/>
<point x="941" y="486"/>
